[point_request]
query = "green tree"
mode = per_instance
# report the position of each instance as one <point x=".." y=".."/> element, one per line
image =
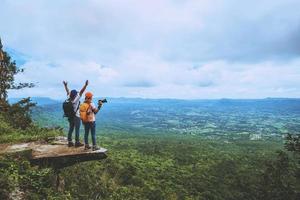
<point x="17" y="114"/>
<point x="292" y="143"/>
<point x="8" y="70"/>
<point x="279" y="179"/>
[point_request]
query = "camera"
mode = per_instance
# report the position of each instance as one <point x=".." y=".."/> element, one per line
<point x="102" y="101"/>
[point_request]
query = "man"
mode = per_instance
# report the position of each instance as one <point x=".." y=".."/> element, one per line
<point x="74" y="122"/>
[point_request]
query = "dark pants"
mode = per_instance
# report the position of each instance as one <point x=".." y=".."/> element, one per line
<point x="87" y="127"/>
<point x="74" y="123"/>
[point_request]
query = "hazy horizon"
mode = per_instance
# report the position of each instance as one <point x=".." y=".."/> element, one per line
<point x="143" y="98"/>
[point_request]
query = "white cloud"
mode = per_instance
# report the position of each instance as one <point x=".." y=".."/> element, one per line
<point x="159" y="79"/>
<point x="160" y="48"/>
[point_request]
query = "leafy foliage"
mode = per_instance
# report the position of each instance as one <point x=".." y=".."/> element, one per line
<point x="16" y="124"/>
<point x="18" y="114"/>
<point x="8" y="70"/>
<point x="293" y="143"/>
<point x="18" y="178"/>
<point x="143" y="166"/>
<point x="150" y="167"/>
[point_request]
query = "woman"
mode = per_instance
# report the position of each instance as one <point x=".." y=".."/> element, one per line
<point x="88" y="112"/>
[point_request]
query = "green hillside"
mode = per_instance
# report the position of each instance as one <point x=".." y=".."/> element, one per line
<point x="164" y="166"/>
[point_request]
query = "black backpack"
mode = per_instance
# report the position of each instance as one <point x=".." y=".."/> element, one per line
<point x="69" y="109"/>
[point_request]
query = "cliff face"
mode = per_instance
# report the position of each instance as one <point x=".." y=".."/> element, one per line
<point x="54" y="153"/>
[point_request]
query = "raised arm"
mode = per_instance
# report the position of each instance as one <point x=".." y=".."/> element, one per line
<point x="66" y="87"/>
<point x="84" y="87"/>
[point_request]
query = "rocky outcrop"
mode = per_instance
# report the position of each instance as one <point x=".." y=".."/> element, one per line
<point x="54" y="153"/>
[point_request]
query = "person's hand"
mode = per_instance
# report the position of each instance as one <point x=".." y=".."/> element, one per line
<point x="65" y="83"/>
<point x="86" y="82"/>
<point x="100" y="103"/>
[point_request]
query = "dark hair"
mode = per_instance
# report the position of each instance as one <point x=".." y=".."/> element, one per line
<point x="73" y="94"/>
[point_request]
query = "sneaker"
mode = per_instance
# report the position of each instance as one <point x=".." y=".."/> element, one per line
<point x="70" y="144"/>
<point x="95" y="148"/>
<point x="78" y="144"/>
<point x="86" y="147"/>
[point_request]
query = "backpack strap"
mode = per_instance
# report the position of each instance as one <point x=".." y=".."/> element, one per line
<point x="78" y="106"/>
<point x="89" y="105"/>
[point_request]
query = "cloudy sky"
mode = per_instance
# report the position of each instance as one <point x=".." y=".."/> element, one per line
<point x="190" y="49"/>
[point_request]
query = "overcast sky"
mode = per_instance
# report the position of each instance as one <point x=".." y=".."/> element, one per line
<point x="190" y="49"/>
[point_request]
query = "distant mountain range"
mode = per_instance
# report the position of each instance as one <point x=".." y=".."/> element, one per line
<point x="228" y="119"/>
<point x="41" y="101"/>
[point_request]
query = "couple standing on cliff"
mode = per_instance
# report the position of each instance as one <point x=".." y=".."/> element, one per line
<point x="84" y="112"/>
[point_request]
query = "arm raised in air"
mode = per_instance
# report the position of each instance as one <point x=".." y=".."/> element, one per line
<point x="84" y="87"/>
